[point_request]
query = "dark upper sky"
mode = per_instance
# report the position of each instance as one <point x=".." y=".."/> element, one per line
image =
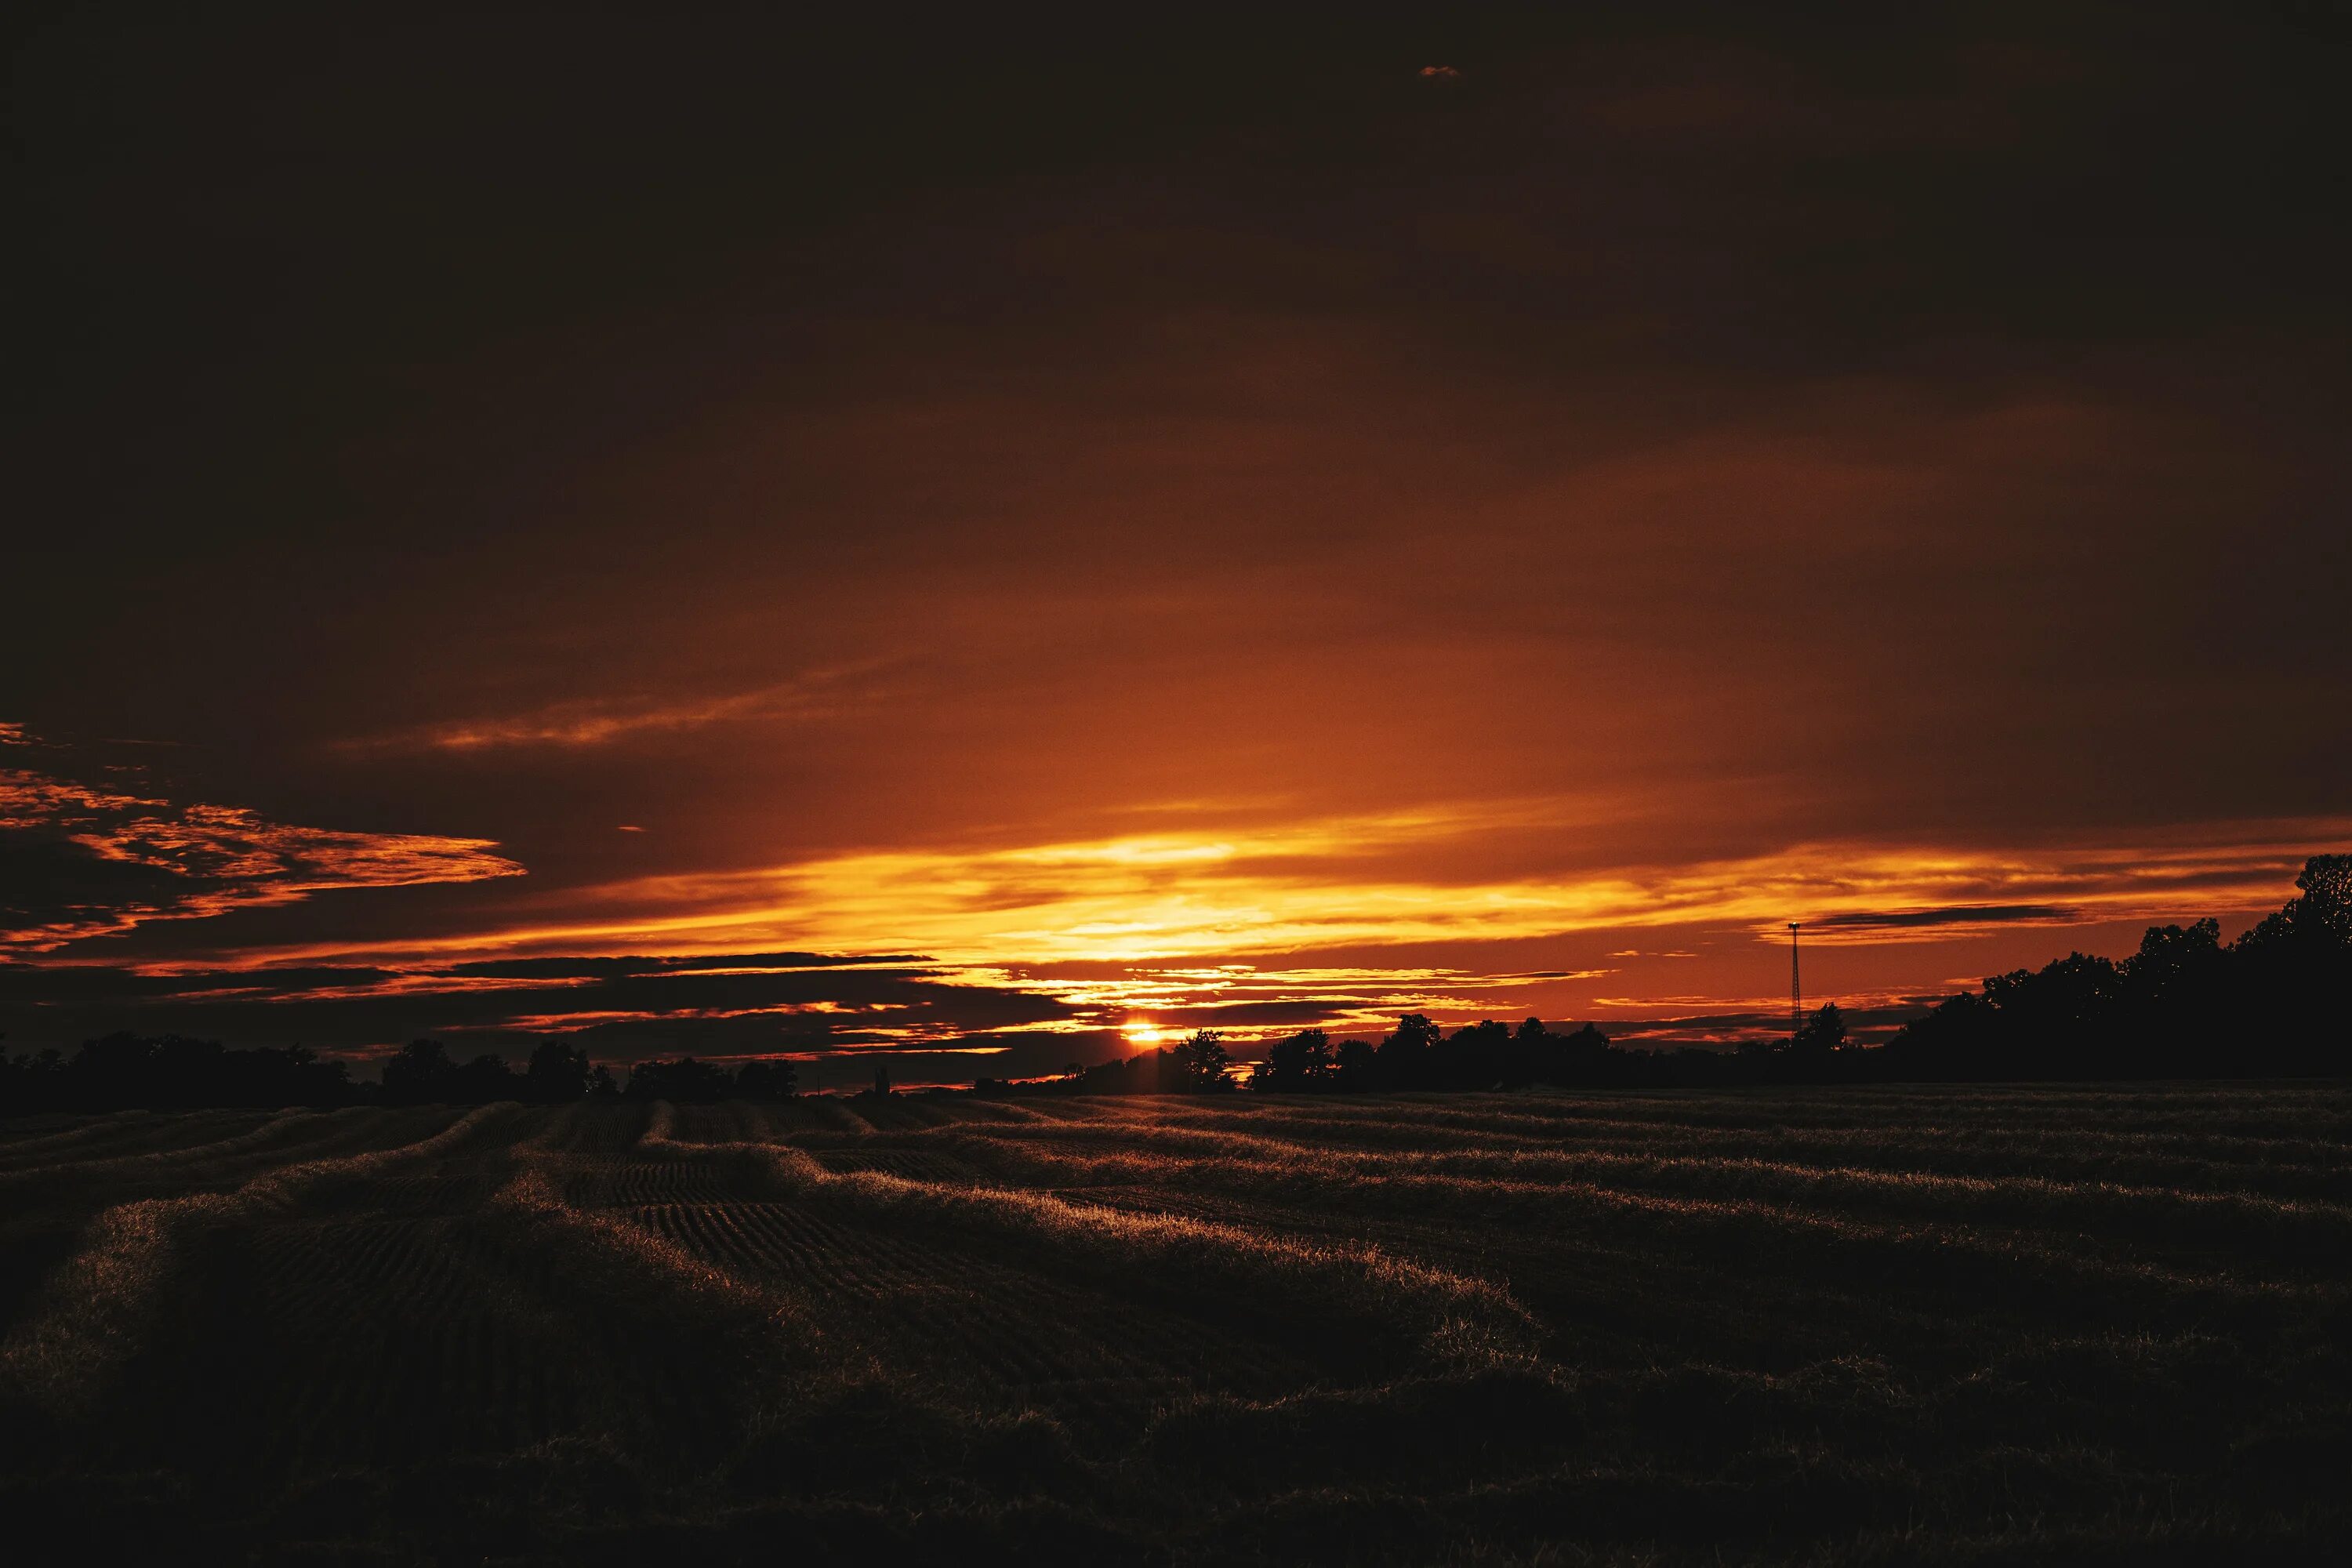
<point x="1488" y="513"/>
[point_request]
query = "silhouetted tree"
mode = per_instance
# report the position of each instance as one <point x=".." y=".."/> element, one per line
<point x="1404" y="1057"/>
<point x="686" y="1081"/>
<point x="486" y="1079"/>
<point x="1197" y="1065"/>
<point x="766" y="1081"/>
<point x="169" y="1072"/>
<point x="420" y="1073"/>
<point x="2295" y="969"/>
<point x="1138" y="1074"/>
<point x="1582" y="1058"/>
<point x="1356" y="1066"/>
<point x="29" y="1083"/>
<point x="2270" y="1002"/>
<point x="558" y="1074"/>
<point x="1482" y="1056"/>
<point x="1533" y="1051"/>
<point x="1822" y="1034"/>
<point x="2172" y="995"/>
<point x="1300" y="1063"/>
<point x="2323" y="914"/>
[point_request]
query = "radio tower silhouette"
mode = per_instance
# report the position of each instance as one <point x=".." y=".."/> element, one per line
<point x="1796" y="989"/>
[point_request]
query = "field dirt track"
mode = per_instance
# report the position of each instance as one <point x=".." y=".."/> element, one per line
<point x="1952" y="1323"/>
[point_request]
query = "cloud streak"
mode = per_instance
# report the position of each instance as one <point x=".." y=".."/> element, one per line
<point x="599" y="722"/>
<point x="1958" y="918"/>
<point x="1393" y="879"/>
<point x="81" y="861"/>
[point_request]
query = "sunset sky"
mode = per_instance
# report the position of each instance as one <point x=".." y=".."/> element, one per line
<point x="973" y="548"/>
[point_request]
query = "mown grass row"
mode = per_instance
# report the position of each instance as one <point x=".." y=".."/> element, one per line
<point x="1445" y="1317"/>
<point x="95" y="1311"/>
<point x="2321" y="1110"/>
<point x="2286" y="1167"/>
<point x="127" y="1133"/>
<point x="712" y="1340"/>
<point x="2299" y="1235"/>
<point x="1878" y="1462"/>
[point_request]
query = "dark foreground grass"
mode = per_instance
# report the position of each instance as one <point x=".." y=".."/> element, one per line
<point x="1970" y="1325"/>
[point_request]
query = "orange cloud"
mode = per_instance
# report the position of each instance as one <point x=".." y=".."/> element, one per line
<point x="97" y="862"/>
<point x="599" y="721"/>
<point x="1390" y="880"/>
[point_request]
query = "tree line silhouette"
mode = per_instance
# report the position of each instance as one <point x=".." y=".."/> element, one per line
<point x="173" y="1072"/>
<point x="2276" y="1003"/>
<point x="1418" y="1055"/>
<point x="2185" y="1004"/>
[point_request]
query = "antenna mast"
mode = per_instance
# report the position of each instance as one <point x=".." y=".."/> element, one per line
<point x="1796" y="987"/>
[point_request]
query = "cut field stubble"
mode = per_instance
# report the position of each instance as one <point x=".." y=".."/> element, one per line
<point x="1767" y="1326"/>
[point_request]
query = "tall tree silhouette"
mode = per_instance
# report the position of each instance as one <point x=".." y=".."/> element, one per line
<point x="1822" y="1034"/>
<point x="1198" y="1064"/>
<point x="558" y="1074"/>
<point x="1302" y="1062"/>
<point x="1403" y="1057"/>
<point x="683" y="1079"/>
<point x="420" y="1073"/>
<point x="766" y="1081"/>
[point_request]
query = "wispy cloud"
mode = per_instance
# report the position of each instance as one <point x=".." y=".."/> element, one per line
<point x="1947" y="921"/>
<point x="808" y="1004"/>
<point x="81" y="861"/>
<point x="596" y="722"/>
<point x="1385" y="880"/>
<point x="1393" y="879"/>
<point x="1256" y="929"/>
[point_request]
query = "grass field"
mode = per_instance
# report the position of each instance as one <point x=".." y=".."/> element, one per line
<point x="1949" y="1324"/>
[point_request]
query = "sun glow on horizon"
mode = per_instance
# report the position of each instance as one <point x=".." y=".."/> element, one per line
<point x="1257" y="931"/>
<point x="1396" y="880"/>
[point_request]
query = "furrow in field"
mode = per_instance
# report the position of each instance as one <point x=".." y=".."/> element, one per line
<point x="1636" y="1300"/>
<point x="660" y="1181"/>
<point x="1000" y="1111"/>
<point x="1547" y="1117"/>
<point x="836" y="1115"/>
<point x="2323" y="1113"/>
<point x="2010" y="1266"/>
<point x="940" y="1316"/>
<point x="1059" y="1108"/>
<point x="287" y="1142"/>
<point x="97" y="1310"/>
<point x="2298" y="1233"/>
<point x="315" y="1346"/>
<point x="1431" y="1313"/>
<point x="2280" y="1166"/>
<point x="153" y="1141"/>
<point x="931" y="1164"/>
<point x="19" y="1131"/>
<point x="123" y="1132"/>
<point x="595" y="1129"/>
